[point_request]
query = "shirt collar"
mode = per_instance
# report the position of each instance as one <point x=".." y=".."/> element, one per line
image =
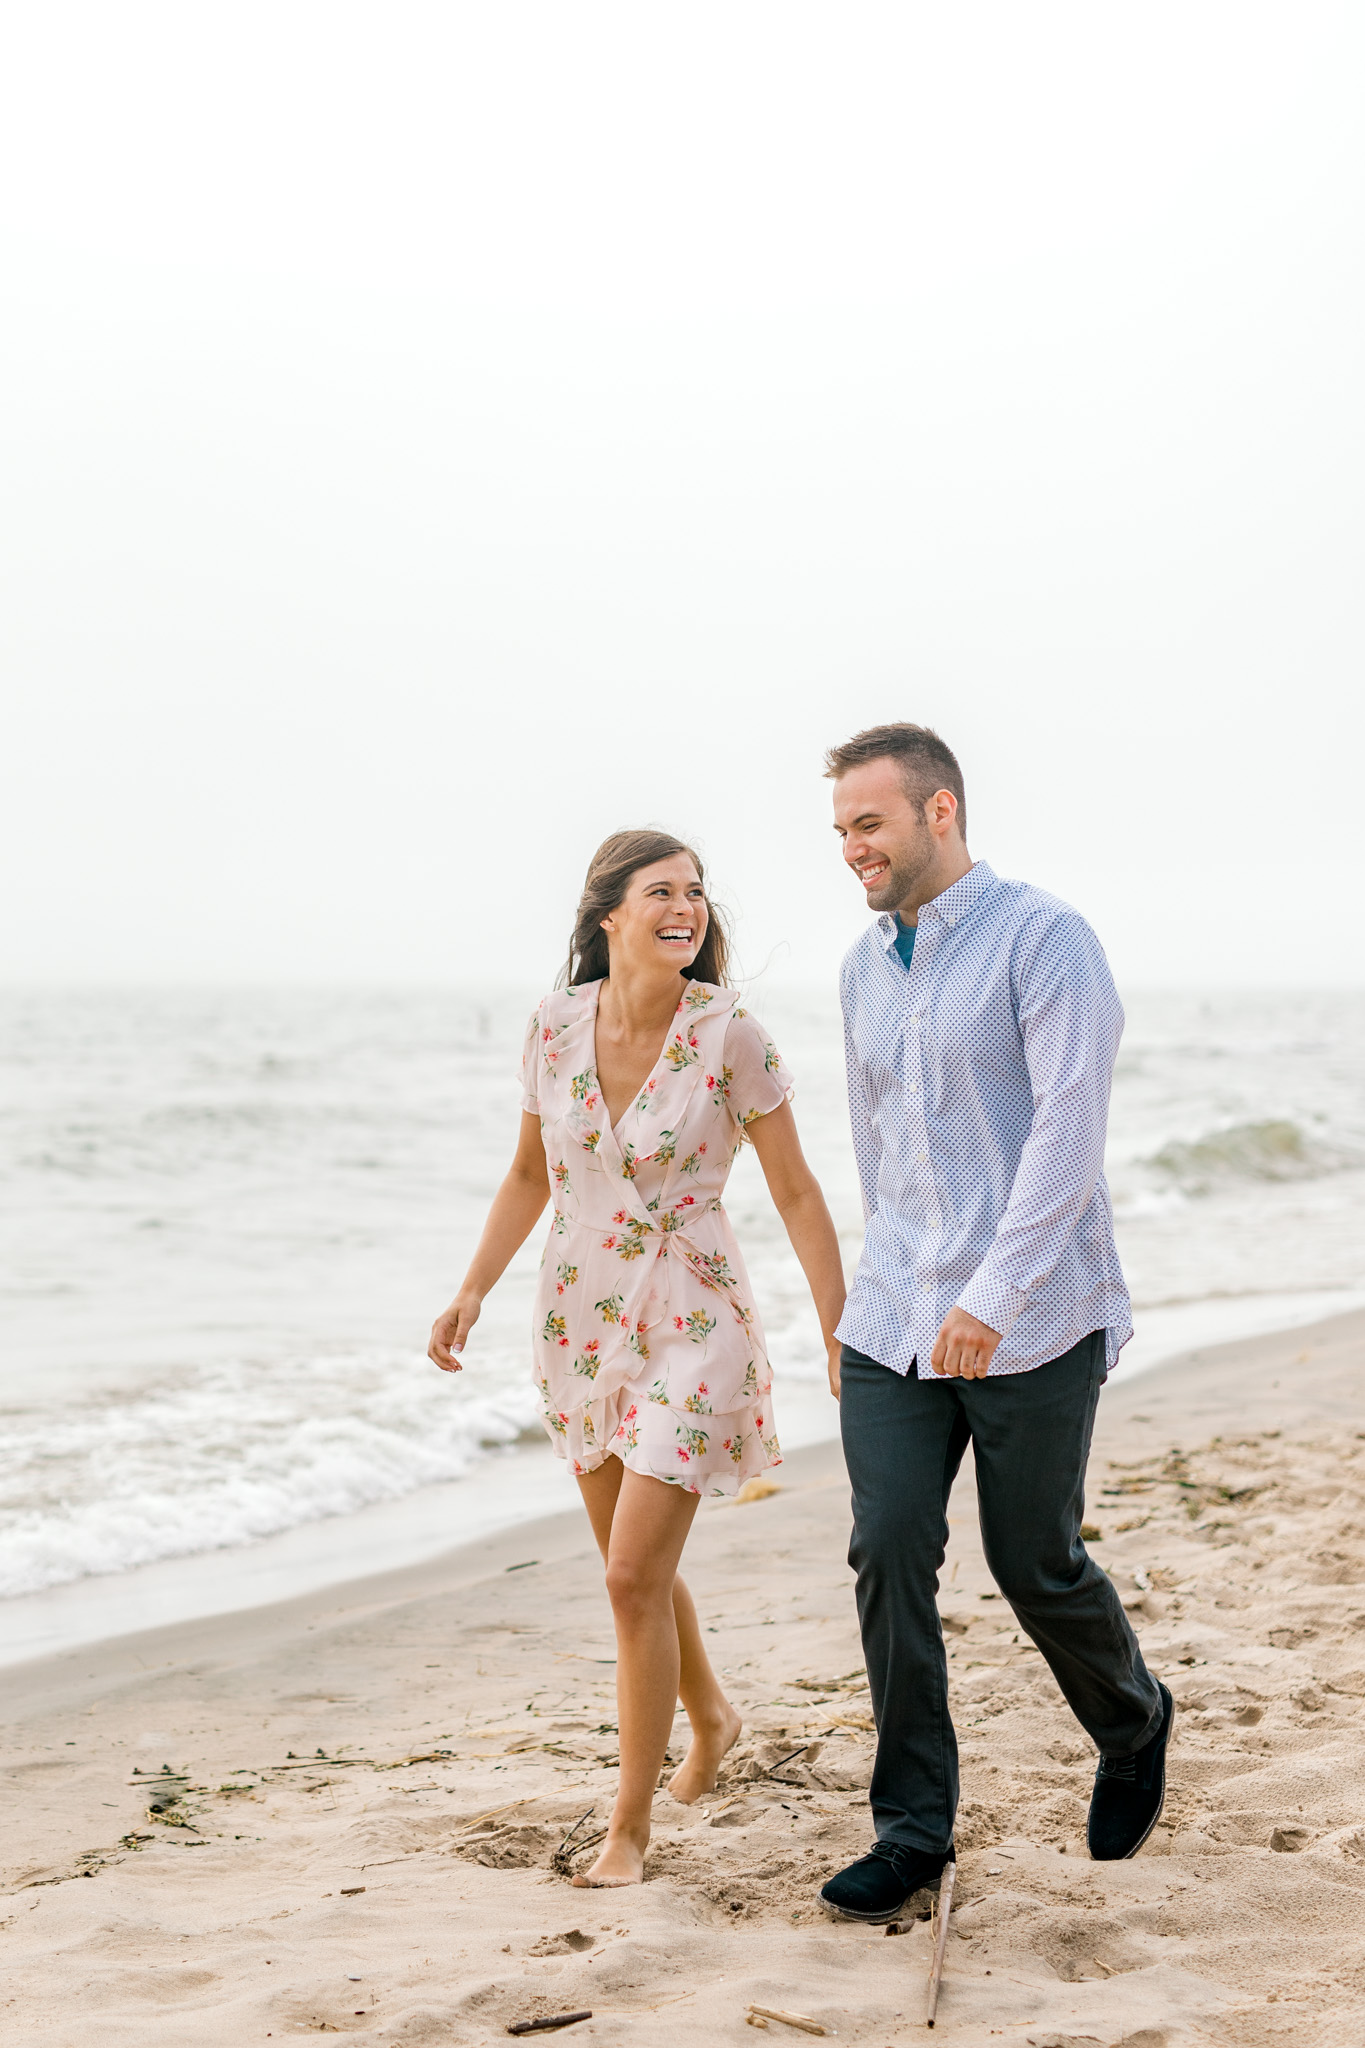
<point x="953" y="904"/>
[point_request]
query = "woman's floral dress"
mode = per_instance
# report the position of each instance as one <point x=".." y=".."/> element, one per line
<point x="647" y="1345"/>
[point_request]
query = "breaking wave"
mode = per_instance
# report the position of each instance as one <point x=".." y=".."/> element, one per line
<point x="240" y="1452"/>
<point x="1273" y="1150"/>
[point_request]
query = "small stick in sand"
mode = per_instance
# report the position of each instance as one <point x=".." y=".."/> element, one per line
<point x="562" y="1860"/>
<point x="553" y="2019"/>
<point x="788" y="2019"/>
<point x="574" y="1829"/>
<point x="945" y="1907"/>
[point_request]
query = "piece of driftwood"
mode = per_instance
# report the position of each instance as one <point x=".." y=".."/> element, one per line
<point x="788" y="2019"/>
<point x="945" y="1907"/>
<point x="550" y="2021"/>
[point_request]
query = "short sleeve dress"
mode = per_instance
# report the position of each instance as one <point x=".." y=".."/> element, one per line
<point x="647" y="1343"/>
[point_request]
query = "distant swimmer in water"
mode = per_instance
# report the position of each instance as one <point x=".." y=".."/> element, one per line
<point x="642" y="1077"/>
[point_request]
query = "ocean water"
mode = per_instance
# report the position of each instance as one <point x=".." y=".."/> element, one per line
<point x="230" y="1218"/>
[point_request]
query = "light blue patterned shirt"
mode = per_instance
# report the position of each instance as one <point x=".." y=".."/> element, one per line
<point x="978" y="1082"/>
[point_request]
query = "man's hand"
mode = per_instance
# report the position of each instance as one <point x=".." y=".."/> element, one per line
<point x="964" y="1348"/>
<point x="833" y="1358"/>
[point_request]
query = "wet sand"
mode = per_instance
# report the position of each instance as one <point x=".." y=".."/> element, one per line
<point x="366" y="1786"/>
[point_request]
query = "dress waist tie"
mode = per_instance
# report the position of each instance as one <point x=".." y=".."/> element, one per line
<point x="632" y="1311"/>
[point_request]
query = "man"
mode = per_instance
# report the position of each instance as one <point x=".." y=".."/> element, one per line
<point x="981" y="1025"/>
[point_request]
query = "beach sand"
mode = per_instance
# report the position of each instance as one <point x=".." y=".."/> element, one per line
<point x="366" y="1786"/>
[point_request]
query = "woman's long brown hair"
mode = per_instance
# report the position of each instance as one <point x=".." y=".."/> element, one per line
<point x="608" y="878"/>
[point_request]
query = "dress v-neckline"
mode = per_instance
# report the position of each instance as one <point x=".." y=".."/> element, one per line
<point x="634" y="1101"/>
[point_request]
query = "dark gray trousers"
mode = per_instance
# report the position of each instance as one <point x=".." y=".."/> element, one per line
<point x="1030" y="1435"/>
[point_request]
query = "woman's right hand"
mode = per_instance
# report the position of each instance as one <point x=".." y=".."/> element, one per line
<point x="450" y="1331"/>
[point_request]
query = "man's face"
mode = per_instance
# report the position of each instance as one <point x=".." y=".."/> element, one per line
<point x="887" y="841"/>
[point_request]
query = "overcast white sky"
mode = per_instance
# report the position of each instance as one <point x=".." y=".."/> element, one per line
<point x="438" y="435"/>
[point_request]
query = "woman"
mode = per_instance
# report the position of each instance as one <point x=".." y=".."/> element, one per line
<point x="641" y="1079"/>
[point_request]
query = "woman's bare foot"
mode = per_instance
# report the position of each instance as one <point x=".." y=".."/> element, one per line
<point x="696" y="1774"/>
<point x="621" y="1860"/>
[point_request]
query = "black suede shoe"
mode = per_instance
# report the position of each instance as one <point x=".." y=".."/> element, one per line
<point x="877" y="1886"/>
<point x="1129" y="1794"/>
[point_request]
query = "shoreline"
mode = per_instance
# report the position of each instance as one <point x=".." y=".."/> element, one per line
<point x="366" y="1783"/>
<point x="504" y="1489"/>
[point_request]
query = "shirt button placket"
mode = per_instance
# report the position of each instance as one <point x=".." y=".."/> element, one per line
<point x="923" y="1160"/>
<point x="914" y="1057"/>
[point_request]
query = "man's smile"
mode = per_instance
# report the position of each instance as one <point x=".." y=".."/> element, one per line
<point x="870" y="872"/>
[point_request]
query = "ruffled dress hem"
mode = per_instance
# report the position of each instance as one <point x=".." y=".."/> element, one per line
<point x="676" y="1445"/>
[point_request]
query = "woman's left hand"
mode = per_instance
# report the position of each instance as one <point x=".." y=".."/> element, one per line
<point x="833" y="1361"/>
<point x="451" y="1329"/>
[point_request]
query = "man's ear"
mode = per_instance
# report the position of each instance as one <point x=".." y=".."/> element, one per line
<point x="941" y="811"/>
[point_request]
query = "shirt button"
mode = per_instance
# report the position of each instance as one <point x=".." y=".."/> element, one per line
<point x="923" y="1158"/>
<point x="933" y="1223"/>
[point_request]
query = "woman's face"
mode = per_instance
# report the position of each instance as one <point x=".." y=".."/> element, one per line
<point x="662" y="917"/>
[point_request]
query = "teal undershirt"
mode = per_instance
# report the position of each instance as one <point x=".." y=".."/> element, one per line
<point x="905" y="941"/>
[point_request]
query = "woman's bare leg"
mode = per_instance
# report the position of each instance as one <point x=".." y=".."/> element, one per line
<point x="649" y="1525"/>
<point x="715" y="1724"/>
<point x="641" y="1525"/>
<point x="599" y="1490"/>
<point x="716" y="1727"/>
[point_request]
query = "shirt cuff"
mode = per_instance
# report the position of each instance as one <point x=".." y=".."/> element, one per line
<point x="992" y="1301"/>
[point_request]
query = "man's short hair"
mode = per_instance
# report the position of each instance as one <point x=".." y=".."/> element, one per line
<point x="926" y="762"/>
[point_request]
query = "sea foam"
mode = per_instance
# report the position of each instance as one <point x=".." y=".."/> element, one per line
<point x="237" y="1452"/>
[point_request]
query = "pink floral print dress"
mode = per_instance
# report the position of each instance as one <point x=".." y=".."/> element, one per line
<point x="647" y="1344"/>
